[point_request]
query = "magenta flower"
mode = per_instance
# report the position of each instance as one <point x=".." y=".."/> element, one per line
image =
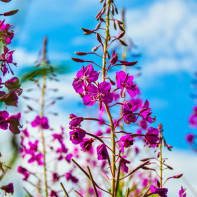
<point x="190" y="138"/>
<point x="12" y="83"/>
<point x="124" y="162"/>
<point x="143" y="124"/>
<point x="125" y="142"/>
<point x="53" y="193"/>
<point x="86" y="144"/>
<point x="161" y="191"/>
<point x="193" y="118"/>
<point x="24" y="172"/>
<point x="69" y="157"/>
<point x="5" y="33"/>
<point x="128" y="113"/>
<point x="3" y="120"/>
<point x="145" y="112"/>
<point x="136" y="104"/>
<point x="33" y="147"/>
<point x="124" y="81"/>
<point x="8" y="188"/>
<point x="152" y="136"/>
<point x="91" y="191"/>
<point x="55" y="177"/>
<point x="10" y="98"/>
<point x="102" y="93"/>
<point x="145" y="182"/>
<point x="42" y="122"/>
<point x="77" y="135"/>
<point x="182" y="192"/>
<point x="36" y="158"/>
<point x="114" y="58"/>
<point x="75" y="121"/>
<point x="102" y="152"/>
<point x="84" y="77"/>
<point x="25" y="133"/>
<point x="14" y="123"/>
<point x="6" y="59"/>
<point x="69" y="176"/>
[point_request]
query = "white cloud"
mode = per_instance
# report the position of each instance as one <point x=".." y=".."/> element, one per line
<point x="24" y="58"/>
<point x="167" y="33"/>
<point x="183" y="162"/>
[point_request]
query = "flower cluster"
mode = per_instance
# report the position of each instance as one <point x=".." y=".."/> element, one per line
<point x="191" y="137"/>
<point x="96" y="87"/>
<point x="41" y="145"/>
<point x="9" y="88"/>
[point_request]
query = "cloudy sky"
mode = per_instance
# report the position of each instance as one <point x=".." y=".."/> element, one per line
<point x="165" y="31"/>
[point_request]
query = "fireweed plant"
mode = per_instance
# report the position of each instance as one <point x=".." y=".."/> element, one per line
<point x="42" y="148"/>
<point x="98" y="87"/>
<point x="191" y="137"/>
<point x="10" y="90"/>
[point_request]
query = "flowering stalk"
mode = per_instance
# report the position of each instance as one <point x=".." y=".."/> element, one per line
<point x="42" y="115"/>
<point x="36" y="149"/>
<point x="106" y="106"/>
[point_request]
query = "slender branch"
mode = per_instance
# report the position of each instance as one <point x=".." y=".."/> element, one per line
<point x="127" y="193"/>
<point x="64" y="189"/>
<point x="92" y="180"/>
<point x="88" y="176"/>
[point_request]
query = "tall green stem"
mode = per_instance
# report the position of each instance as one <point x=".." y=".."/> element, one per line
<point x="160" y="155"/>
<point x="106" y="106"/>
<point x="42" y="114"/>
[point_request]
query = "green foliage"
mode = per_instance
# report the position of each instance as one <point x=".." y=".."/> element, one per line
<point x="36" y="72"/>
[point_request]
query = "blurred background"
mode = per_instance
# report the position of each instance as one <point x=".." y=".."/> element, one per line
<point x="165" y="32"/>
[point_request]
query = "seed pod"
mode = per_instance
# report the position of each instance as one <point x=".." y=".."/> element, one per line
<point x="10" y="13"/>
<point x="114" y="24"/>
<point x="123" y="43"/>
<point x="87" y="31"/>
<point x="120" y="35"/>
<point x="81" y="53"/>
<point x="98" y="26"/>
<point x="5" y="1"/>
<point x="98" y="37"/>
<point x="95" y="48"/>
<point x="77" y="60"/>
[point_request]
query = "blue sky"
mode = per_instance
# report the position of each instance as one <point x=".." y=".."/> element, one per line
<point x="165" y="32"/>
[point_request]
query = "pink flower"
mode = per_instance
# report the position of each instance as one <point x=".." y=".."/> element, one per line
<point x="24" y="172"/>
<point x="42" y="122"/>
<point x="77" y="135"/>
<point x="84" y="77"/>
<point x="145" y="112"/>
<point x="182" y="192"/>
<point x="5" y="32"/>
<point x="125" y="142"/>
<point x="86" y="144"/>
<point x="124" y="81"/>
<point x="8" y="188"/>
<point x="152" y="136"/>
<point x="161" y="191"/>
<point x="69" y="176"/>
<point x="75" y="121"/>
<point x="190" y="138"/>
<point x="7" y="59"/>
<point x="102" y="152"/>
<point x="124" y="162"/>
<point x="102" y="93"/>
<point x="53" y="193"/>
